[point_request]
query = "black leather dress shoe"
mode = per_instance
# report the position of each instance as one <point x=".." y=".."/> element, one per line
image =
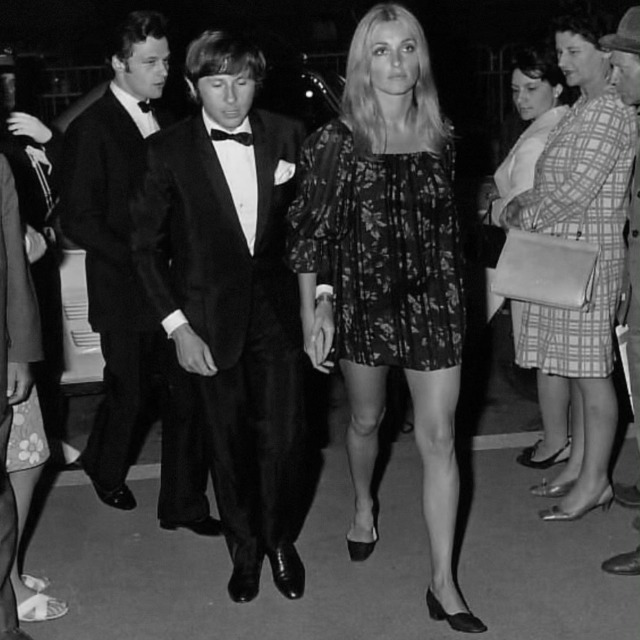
<point x="288" y="571"/>
<point x="625" y="564"/>
<point x="627" y="495"/>
<point x="206" y="527"/>
<point x="14" y="634"/>
<point x="244" y="584"/>
<point x="120" y="498"/>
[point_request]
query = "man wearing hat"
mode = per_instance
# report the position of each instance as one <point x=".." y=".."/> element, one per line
<point x="625" y="59"/>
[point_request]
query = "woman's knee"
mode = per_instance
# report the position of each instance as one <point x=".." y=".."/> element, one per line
<point x="435" y="439"/>
<point x="366" y="423"/>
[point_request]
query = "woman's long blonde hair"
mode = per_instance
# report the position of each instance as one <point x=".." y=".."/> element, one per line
<point x="360" y="106"/>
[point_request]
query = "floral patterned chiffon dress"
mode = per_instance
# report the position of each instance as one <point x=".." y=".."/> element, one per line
<point x="383" y="230"/>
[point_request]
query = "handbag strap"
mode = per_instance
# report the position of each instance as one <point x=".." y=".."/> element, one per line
<point x="578" y="232"/>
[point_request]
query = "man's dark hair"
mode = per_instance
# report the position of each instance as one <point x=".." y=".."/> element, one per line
<point x="136" y="27"/>
<point x="222" y="52"/>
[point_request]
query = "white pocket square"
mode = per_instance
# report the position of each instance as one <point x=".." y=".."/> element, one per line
<point x="284" y="172"/>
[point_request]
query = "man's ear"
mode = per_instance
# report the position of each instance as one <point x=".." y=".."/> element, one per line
<point x="117" y="64"/>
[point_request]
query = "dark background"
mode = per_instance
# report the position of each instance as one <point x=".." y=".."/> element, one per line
<point x="469" y="40"/>
<point x="76" y="29"/>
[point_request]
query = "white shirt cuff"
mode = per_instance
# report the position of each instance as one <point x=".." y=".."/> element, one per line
<point x="173" y="321"/>
<point x="324" y="288"/>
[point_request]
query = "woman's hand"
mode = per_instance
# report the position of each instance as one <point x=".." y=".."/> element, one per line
<point x="23" y="124"/>
<point x="319" y="331"/>
<point x="510" y="216"/>
<point x="35" y="244"/>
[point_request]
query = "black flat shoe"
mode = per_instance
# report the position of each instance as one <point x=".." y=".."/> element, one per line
<point x="288" y="571"/>
<point x="464" y="621"/>
<point x="526" y="457"/>
<point x="120" y="498"/>
<point x="360" y="551"/>
<point x="209" y="527"/>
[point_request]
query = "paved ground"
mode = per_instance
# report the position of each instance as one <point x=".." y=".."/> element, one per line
<point x="126" y="579"/>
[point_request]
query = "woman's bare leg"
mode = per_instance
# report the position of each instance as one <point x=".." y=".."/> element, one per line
<point x="366" y="387"/>
<point x="435" y="396"/>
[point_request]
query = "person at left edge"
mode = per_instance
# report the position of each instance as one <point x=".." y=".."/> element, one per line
<point x="209" y="245"/>
<point x="625" y="59"/>
<point x="103" y="160"/>
<point x="20" y="344"/>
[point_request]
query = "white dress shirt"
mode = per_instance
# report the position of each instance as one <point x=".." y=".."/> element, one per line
<point x="146" y="122"/>
<point x="239" y="167"/>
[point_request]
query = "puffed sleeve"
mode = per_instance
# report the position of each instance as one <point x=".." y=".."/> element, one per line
<point x="319" y="215"/>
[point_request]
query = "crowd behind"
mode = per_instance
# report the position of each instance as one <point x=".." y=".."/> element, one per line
<point x="229" y="251"/>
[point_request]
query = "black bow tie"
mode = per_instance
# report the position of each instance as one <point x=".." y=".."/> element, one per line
<point x="243" y="137"/>
<point x="145" y="107"/>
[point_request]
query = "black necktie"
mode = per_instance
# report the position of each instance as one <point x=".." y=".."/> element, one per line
<point x="145" y="107"/>
<point x="243" y="137"/>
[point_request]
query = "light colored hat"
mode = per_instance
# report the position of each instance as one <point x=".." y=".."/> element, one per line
<point x="627" y="38"/>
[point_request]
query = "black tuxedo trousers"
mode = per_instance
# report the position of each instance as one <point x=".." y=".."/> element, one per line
<point x="135" y="387"/>
<point x="253" y="432"/>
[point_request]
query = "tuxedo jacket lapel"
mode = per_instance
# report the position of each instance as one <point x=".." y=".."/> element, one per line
<point x="215" y="178"/>
<point x="264" y="172"/>
<point x="125" y="129"/>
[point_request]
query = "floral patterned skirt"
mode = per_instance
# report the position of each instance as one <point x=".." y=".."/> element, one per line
<point x="28" y="446"/>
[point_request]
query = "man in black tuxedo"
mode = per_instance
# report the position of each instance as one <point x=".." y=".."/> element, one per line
<point x="103" y="161"/>
<point x="209" y="245"/>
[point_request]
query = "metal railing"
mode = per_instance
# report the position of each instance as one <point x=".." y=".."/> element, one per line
<point x="64" y="85"/>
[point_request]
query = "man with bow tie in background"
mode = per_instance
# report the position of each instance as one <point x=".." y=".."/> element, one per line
<point x="103" y="162"/>
<point x="209" y="245"/>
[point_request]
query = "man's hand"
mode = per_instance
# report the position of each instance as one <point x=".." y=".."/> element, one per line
<point x="19" y="382"/>
<point x="319" y="331"/>
<point x="23" y="124"/>
<point x="510" y="216"/>
<point x="193" y="353"/>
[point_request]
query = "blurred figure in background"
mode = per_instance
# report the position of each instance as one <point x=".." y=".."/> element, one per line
<point x="540" y="95"/>
<point x="19" y="322"/>
<point x="23" y="141"/>
<point x="625" y="58"/>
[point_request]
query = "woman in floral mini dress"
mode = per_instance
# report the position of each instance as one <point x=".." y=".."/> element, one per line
<point x="375" y="218"/>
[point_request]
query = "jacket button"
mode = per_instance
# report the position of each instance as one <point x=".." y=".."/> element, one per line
<point x="634" y="233"/>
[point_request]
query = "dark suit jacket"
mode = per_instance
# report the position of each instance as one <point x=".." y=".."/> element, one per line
<point x="19" y="319"/>
<point x="103" y="161"/>
<point x="190" y="251"/>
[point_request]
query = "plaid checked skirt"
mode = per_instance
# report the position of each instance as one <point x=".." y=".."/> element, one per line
<point x="574" y="344"/>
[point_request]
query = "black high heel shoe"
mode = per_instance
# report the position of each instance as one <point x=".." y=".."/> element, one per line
<point x="463" y="621"/>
